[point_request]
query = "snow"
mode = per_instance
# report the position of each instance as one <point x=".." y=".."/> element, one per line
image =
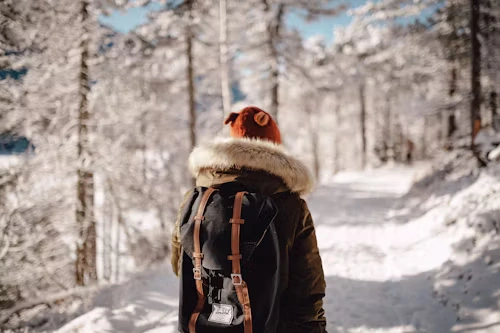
<point x="9" y="161"/>
<point x="398" y="257"/>
<point x="376" y="262"/>
<point x="141" y="305"/>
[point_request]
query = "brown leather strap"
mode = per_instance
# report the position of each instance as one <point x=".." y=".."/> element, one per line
<point x="198" y="256"/>
<point x="240" y="285"/>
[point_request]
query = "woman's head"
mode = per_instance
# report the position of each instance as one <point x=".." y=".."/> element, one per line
<point x="252" y="122"/>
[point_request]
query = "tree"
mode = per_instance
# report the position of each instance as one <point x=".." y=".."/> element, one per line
<point x="267" y="43"/>
<point x="190" y="73"/>
<point x="86" y="256"/>
<point x="224" y="59"/>
<point x="489" y="31"/>
<point x="475" y="104"/>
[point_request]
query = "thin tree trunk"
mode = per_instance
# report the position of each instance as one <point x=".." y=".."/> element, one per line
<point x="190" y="79"/>
<point x="362" y="103"/>
<point x="119" y="224"/>
<point x="224" y="59"/>
<point x="336" y="158"/>
<point x="490" y="29"/>
<point x="274" y="30"/>
<point x="425" y="136"/>
<point x="401" y="151"/>
<point x="315" y="151"/>
<point x="144" y="150"/>
<point x="86" y="267"/>
<point x="440" y="120"/>
<point x="313" y="130"/>
<point x="388" y="142"/>
<point x="108" y="223"/>
<point x="117" y="244"/>
<point x="103" y="252"/>
<point x="493" y="110"/>
<point x="191" y="84"/>
<point x="452" y="123"/>
<point x="475" y="105"/>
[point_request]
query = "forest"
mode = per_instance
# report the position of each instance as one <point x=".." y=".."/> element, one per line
<point x="96" y="125"/>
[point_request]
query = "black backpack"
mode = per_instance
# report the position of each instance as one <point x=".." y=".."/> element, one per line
<point x="230" y="262"/>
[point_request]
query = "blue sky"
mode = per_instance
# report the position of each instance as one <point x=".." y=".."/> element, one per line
<point x="125" y="21"/>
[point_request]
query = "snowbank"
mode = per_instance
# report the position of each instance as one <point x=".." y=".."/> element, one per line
<point x="464" y="204"/>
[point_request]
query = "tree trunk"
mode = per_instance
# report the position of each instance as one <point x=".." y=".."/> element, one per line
<point x="191" y="90"/>
<point x="336" y="158"/>
<point x="86" y="267"/>
<point x="452" y="123"/>
<point x="493" y="110"/>
<point x="362" y="103"/>
<point x="117" y="247"/>
<point x="190" y="79"/>
<point x="144" y="149"/>
<point x="274" y="30"/>
<point x="425" y="134"/>
<point x="475" y="105"/>
<point x="313" y="130"/>
<point x="388" y="142"/>
<point x="107" y="220"/>
<point x="400" y="137"/>
<point x="191" y="84"/>
<point x="224" y="59"/>
<point x="490" y="29"/>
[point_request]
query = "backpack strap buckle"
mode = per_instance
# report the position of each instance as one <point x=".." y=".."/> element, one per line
<point x="237" y="279"/>
<point x="197" y="273"/>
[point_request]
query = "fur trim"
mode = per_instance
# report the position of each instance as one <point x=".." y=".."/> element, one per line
<point x="227" y="153"/>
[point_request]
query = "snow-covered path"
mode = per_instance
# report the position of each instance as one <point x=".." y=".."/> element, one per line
<point x="377" y="261"/>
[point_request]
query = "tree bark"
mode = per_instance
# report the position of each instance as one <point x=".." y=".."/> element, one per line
<point x="425" y="131"/>
<point x="475" y="104"/>
<point x="452" y="124"/>
<point x="86" y="264"/>
<point x="274" y="30"/>
<point x="144" y="138"/>
<point x="490" y="29"/>
<point x="388" y="142"/>
<point x="493" y="110"/>
<point x="224" y="59"/>
<point x="313" y="130"/>
<point x="107" y="220"/>
<point x="362" y="103"/>
<point x="118" y="240"/>
<point x="336" y="158"/>
<point x="190" y="80"/>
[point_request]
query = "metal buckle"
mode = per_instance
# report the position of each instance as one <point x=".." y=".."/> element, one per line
<point x="197" y="273"/>
<point x="240" y="279"/>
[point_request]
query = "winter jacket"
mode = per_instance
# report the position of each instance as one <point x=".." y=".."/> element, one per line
<point x="265" y="167"/>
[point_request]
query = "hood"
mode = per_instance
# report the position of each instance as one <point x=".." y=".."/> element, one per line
<point x="238" y="153"/>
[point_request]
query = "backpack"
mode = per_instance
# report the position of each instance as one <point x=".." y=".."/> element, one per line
<point x="230" y="262"/>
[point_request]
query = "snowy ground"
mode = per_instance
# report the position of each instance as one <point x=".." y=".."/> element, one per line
<point x="391" y="263"/>
<point x="376" y="265"/>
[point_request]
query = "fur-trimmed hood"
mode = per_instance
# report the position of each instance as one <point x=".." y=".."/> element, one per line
<point x="229" y="153"/>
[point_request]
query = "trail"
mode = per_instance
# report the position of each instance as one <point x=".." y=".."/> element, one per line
<point x="377" y="258"/>
<point x="377" y="261"/>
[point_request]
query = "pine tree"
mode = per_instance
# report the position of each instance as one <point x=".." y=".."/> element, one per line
<point x="86" y="255"/>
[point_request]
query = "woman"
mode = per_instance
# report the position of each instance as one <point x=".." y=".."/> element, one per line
<point x="254" y="157"/>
